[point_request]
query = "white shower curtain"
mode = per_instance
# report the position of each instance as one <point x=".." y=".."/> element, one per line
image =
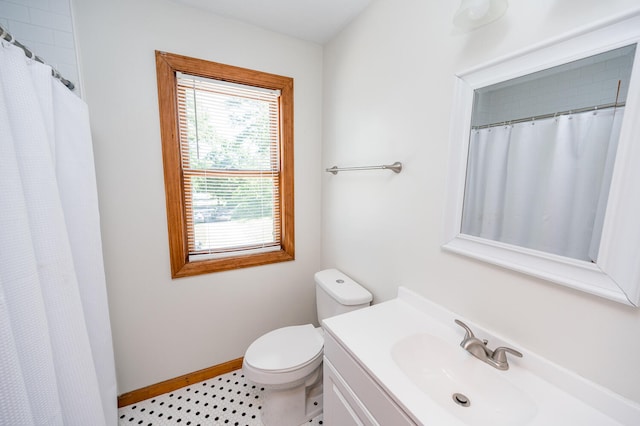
<point x="56" y="355"/>
<point x="543" y="184"/>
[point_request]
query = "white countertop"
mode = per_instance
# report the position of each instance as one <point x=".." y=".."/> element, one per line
<point x="560" y="396"/>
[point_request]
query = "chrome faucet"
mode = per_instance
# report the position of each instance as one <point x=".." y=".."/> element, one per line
<point x="496" y="358"/>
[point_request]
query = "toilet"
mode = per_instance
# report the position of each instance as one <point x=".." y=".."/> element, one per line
<point x="287" y="362"/>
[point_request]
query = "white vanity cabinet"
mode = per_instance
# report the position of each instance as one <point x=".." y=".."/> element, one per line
<point x="373" y="377"/>
<point x="351" y="396"/>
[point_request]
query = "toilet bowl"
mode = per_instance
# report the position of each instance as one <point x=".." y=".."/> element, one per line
<point x="287" y="362"/>
<point x="284" y="355"/>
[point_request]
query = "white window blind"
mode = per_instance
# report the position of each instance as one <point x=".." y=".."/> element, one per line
<point x="231" y="167"/>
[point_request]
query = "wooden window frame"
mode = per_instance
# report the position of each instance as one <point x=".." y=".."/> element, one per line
<point x="167" y="65"/>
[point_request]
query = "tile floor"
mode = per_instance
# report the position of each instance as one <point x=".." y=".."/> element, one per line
<point x="228" y="399"/>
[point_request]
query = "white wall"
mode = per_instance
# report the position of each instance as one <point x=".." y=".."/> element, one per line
<point x="388" y="86"/>
<point x="46" y="28"/>
<point x="164" y="328"/>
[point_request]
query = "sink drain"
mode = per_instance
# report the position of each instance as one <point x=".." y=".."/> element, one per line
<point x="461" y="399"/>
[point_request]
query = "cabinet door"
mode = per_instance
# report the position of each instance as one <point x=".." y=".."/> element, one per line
<point x="341" y="406"/>
<point x="370" y="403"/>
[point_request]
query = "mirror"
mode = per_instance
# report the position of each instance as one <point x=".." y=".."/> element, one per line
<point x="541" y="155"/>
<point x="542" y="175"/>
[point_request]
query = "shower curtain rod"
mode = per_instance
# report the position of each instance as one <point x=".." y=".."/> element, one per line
<point x="4" y="35"/>
<point x="550" y="115"/>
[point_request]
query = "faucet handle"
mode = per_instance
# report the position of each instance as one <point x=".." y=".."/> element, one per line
<point x="500" y="357"/>
<point x="469" y="334"/>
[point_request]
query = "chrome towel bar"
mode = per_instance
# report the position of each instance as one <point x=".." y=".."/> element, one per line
<point x="395" y="167"/>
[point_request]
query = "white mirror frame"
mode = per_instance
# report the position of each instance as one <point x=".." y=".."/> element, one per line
<point x="616" y="275"/>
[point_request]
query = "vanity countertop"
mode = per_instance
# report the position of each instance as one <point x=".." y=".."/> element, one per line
<point x="554" y="395"/>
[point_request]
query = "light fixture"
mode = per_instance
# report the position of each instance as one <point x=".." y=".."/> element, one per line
<point x="476" y="13"/>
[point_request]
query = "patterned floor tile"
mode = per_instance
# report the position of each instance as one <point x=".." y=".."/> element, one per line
<point x="228" y="399"/>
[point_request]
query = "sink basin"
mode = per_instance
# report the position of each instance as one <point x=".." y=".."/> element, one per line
<point x="441" y="370"/>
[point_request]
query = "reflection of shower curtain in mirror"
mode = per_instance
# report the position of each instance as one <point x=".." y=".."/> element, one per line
<point x="543" y="184"/>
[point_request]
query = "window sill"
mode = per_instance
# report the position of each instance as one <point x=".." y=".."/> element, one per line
<point x="191" y="268"/>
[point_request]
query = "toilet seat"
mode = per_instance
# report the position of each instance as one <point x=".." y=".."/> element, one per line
<point x="285" y="349"/>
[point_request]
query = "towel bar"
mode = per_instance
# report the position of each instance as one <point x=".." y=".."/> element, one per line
<point x="395" y="167"/>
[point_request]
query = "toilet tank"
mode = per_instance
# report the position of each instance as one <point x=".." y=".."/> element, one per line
<point x="336" y="294"/>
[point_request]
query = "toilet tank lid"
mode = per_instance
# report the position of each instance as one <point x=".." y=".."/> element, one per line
<point x="342" y="288"/>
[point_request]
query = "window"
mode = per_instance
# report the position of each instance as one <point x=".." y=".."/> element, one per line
<point x="227" y="146"/>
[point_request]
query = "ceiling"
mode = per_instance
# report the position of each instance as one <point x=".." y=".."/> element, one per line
<point x="312" y="20"/>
